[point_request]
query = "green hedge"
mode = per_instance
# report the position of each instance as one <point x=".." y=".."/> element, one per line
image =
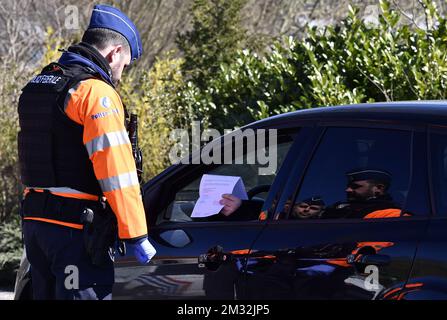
<point x="10" y="250"/>
<point x="352" y="62"/>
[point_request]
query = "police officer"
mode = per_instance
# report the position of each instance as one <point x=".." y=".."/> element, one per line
<point x="367" y="196"/>
<point x="74" y="151"/>
<point x="311" y="208"/>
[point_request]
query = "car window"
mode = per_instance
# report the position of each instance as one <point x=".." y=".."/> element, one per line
<point x="355" y="173"/>
<point x="180" y="209"/>
<point x="439" y="171"/>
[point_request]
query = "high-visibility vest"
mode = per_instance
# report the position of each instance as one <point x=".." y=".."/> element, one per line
<point x="51" y="151"/>
<point x="73" y="144"/>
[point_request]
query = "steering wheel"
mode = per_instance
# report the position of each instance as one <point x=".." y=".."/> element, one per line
<point x="257" y="190"/>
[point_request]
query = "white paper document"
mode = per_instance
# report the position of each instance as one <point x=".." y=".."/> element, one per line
<point x="212" y="187"/>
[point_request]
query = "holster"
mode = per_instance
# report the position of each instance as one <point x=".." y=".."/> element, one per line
<point x="100" y="234"/>
<point x="100" y="226"/>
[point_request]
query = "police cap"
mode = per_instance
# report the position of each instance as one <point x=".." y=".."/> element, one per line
<point x="108" y="17"/>
<point x="369" y="174"/>
<point x="316" y="200"/>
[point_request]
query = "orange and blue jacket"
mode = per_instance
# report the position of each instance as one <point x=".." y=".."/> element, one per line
<point x="97" y="107"/>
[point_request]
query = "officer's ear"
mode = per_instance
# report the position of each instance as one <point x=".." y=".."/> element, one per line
<point x="115" y="54"/>
<point x="379" y="189"/>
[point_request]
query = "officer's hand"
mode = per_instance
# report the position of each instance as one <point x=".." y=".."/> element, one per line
<point x="144" y="251"/>
<point x="231" y="204"/>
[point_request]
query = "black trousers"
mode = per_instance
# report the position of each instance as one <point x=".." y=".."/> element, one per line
<point x="60" y="266"/>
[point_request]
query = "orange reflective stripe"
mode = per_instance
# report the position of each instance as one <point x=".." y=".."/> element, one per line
<point x="414" y="285"/>
<point x="401" y="296"/>
<point x="65" y="224"/>
<point x="27" y="190"/>
<point x="106" y="141"/>
<point x="240" y="252"/>
<point x="128" y="179"/>
<point x="377" y="245"/>
<point x="391" y="292"/>
<point x="341" y="262"/>
<point x="386" y="213"/>
<point x="129" y="210"/>
<point x="117" y="159"/>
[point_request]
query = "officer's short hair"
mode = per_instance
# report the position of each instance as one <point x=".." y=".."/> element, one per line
<point x="100" y="38"/>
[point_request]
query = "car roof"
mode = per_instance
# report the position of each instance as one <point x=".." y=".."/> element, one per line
<point x="418" y="112"/>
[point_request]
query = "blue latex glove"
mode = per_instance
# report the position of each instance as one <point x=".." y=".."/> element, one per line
<point x="143" y="250"/>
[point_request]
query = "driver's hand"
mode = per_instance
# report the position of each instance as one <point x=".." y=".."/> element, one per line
<point x="231" y="204"/>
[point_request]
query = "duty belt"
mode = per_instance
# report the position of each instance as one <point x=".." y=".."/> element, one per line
<point x="49" y="206"/>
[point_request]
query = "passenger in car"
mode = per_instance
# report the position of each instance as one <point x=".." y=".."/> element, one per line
<point x="366" y="192"/>
<point x="311" y="208"/>
<point x="236" y="209"/>
<point x="367" y="197"/>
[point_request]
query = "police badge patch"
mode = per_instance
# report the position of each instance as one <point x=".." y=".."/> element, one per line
<point x="106" y="102"/>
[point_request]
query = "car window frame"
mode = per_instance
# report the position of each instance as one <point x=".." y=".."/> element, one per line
<point x="415" y="129"/>
<point x="184" y="171"/>
<point x="433" y="129"/>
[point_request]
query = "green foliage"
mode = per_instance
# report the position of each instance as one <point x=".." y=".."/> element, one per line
<point x="53" y="44"/>
<point x="10" y="247"/>
<point x="9" y="175"/>
<point x="13" y="80"/>
<point x="214" y="38"/>
<point x="352" y="62"/>
<point x="154" y="96"/>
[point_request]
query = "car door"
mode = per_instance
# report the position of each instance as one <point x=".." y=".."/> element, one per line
<point x="344" y="258"/>
<point x="428" y="278"/>
<point x="197" y="259"/>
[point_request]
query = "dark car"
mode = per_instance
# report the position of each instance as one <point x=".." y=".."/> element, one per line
<point x="398" y="253"/>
